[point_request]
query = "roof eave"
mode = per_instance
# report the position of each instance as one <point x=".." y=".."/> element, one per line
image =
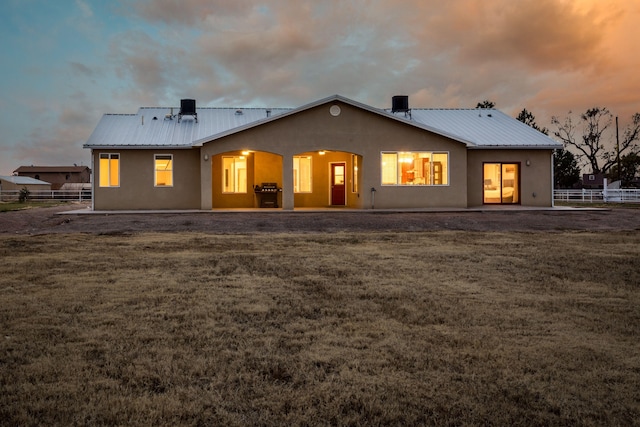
<point x="516" y="147"/>
<point x="138" y="147"/>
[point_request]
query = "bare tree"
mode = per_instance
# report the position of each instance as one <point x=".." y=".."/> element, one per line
<point x="591" y="144"/>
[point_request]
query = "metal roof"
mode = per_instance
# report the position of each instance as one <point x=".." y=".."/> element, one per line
<point x="44" y="169"/>
<point x="482" y="128"/>
<point x="23" y="180"/>
<point x="156" y="127"/>
<point x="159" y="127"/>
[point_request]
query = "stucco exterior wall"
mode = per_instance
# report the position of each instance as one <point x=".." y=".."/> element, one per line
<point x="535" y="174"/>
<point x="137" y="190"/>
<point x="353" y="131"/>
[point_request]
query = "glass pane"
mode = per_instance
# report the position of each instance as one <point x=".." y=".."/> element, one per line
<point x="338" y="175"/>
<point x="234" y="174"/>
<point x="114" y="171"/>
<point x="389" y="168"/>
<point x="440" y="169"/>
<point x="302" y="174"/>
<point x="227" y="178"/>
<point x="492" y="182"/>
<point x="354" y="174"/>
<point x="104" y="171"/>
<point x="509" y="183"/>
<point x="407" y="171"/>
<point x="241" y="175"/>
<point x="164" y="170"/>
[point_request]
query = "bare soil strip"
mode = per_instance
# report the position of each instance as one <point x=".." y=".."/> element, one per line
<point x="47" y="220"/>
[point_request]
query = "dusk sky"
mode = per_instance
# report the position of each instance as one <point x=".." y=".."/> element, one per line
<point x="67" y="62"/>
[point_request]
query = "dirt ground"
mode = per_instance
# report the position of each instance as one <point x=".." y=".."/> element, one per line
<point x="50" y="220"/>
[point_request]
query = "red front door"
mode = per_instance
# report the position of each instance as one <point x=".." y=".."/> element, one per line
<point x="338" y="187"/>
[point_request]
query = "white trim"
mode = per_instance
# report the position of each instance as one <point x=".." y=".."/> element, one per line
<point x="109" y="169"/>
<point x="431" y="174"/>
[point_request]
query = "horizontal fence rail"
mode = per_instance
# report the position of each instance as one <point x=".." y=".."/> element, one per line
<point x="626" y="195"/>
<point x="46" y="195"/>
<point x="579" y="195"/>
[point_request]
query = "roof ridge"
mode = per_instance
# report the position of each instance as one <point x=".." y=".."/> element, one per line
<point x="215" y="108"/>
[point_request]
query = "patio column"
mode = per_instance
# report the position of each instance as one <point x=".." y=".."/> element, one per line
<point x="287" y="182"/>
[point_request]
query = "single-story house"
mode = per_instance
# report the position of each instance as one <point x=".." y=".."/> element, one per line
<point x="333" y="153"/>
<point x="56" y="175"/>
<point x="11" y="185"/>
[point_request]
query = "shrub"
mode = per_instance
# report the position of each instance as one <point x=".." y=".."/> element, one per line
<point x="24" y="195"/>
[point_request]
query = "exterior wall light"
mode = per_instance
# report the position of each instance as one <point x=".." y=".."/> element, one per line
<point x="321" y="152"/>
<point x="528" y="162"/>
<point x="245" y="152"/>
<point x="206" y="157"/>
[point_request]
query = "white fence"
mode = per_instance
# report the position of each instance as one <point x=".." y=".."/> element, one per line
<point x="598" y="196"/>
<point x="584" y="195"/>
<point x="41" y="196"/>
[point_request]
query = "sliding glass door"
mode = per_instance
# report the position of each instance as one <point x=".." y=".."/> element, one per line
<point x="501" y="183"/>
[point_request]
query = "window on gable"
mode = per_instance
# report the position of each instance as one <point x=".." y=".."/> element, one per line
<point x="109" y="165"/>
<point x="302" y="174"/>
<point x="163" y="170"/>
<point x="415" y="168"/>
<point x="234" y="174"/>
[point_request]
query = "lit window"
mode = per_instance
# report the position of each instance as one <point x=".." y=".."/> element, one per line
<point x="163" y="170"/>
<point x="302" y="174"/>
<point x="234" y="178"/>
<point x="109" y="170"/>
<point x="354" y="173"/>
<point x="501" y="183"/>
<point x="415" y="168"/>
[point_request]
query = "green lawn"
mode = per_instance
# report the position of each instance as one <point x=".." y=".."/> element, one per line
<point x="16" y="206"/>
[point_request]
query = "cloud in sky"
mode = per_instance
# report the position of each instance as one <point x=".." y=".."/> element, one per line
<point x="74" y="60"/>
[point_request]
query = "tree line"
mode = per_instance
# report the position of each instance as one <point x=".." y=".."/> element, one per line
<point x="591" y="137"/>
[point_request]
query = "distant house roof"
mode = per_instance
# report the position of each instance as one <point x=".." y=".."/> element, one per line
<point x="23" y="180"/>
<point x="50" y="169"/>
<point x="158" y="127"/>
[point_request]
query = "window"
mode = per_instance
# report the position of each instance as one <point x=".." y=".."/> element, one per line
<point x="501" y="183"/>
<point x="234" y="178"/>
<point x="354" y="173"/>
<point x="302" y="174"/>
<point x="109" y="170"/>
<point x="163" y="170"/>
<point x="415" y="168"/>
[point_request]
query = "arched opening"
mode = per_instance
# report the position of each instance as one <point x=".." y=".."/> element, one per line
<point x="327" y="178"/>
<point x="235" y="175"/>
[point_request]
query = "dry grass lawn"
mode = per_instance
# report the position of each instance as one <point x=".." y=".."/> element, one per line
<point x="362" y="329"/>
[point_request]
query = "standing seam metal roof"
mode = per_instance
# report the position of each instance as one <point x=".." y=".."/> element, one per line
<point x="156" y="127"/>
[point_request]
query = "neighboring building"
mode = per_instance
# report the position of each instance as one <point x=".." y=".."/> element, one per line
<point x="17" y="183"/>
<point x="334" y="152"/>
<point x="56" y="175"/>
<point x="593" y="180"/>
